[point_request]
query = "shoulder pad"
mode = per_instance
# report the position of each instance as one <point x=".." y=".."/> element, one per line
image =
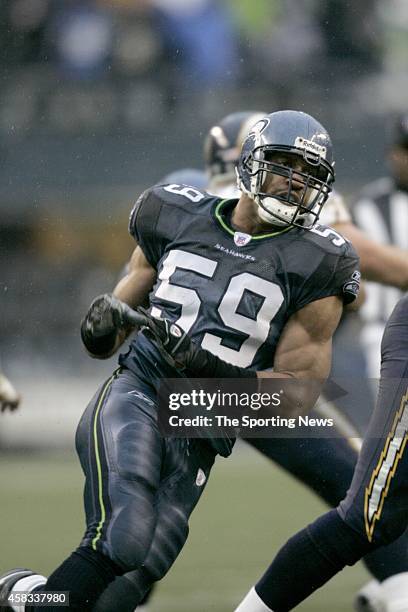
<point x="180" y="194"/>
<point x="327" y="238"/>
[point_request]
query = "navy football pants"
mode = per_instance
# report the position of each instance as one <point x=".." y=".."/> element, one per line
<point x="140" y="488"/>
<point x="377" y="501"/>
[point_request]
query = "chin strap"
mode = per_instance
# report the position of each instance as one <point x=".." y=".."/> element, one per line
<point x="268" y="216"/>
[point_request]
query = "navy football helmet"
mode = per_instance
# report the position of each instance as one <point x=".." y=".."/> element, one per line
<point x="278" y="136"/>
<point x="186" y="176"/>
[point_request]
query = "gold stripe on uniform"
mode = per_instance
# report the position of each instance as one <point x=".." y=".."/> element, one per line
<point x="381" y="478"/>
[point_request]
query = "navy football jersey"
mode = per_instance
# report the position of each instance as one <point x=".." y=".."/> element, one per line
<point x="233" y="293"/>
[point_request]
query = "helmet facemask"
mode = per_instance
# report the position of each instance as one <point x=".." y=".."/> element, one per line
<point x="307" y="190"/>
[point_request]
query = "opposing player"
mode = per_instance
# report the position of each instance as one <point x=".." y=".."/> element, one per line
<point x="253" y="281"/>
<point x="375" y="510"/>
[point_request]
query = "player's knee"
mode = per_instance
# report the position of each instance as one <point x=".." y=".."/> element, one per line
<point x="376" y="530"/>
<point x="344" y="543"/>
<point x="389" y="528"/>
<point x="131" y="534"/>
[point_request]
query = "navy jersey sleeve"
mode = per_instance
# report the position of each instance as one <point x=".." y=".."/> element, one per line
<point x="143" y="225"/>
<point x="336" y="274"/>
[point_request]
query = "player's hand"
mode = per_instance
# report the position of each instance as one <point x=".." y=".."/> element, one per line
<point x="173" y="342"/>
<point x="181" y="352"/>
<point x="106" y="325"/>
<point x="9" y="398"/>
<point x="106" y="315"/>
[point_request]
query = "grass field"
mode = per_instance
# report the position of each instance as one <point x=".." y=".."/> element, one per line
<point x="248" y="510"/>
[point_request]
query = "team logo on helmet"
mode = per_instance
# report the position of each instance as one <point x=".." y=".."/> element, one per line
<point x="259" y="126"/>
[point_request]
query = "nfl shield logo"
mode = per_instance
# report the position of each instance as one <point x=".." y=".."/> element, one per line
<point x="241" y="239"/>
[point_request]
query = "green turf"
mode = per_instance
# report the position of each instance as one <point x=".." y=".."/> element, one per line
<point x="248" y="510"/>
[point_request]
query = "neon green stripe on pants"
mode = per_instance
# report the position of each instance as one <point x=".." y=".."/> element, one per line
<point x="98" y="461"/>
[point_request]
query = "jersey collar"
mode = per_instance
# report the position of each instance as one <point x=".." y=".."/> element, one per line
<point x="222" y="214"/>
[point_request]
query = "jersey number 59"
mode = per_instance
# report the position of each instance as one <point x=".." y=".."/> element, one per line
<point x="256" y="329"/>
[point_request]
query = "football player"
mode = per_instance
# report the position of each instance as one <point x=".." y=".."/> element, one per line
<point x="375" y="510"/>
<point x="325" y="465"/>
<point x="240" y="286"/>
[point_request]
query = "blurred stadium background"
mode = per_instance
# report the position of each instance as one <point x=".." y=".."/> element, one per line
<point x="98" y="100"/>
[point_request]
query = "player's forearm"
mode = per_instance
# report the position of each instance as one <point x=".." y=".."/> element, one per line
<point x="134" y="287"/>
<point x="380" y="263"/>
<point x="303" y="365"/>
<point x="300" y="393"/>
<point x="301" y="388"/>
<point x="129" y="291"/>
<point x="387" y="265"/>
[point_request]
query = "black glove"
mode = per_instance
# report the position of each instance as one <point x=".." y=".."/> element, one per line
<point x="105" y="317"/>
<point x="181" y="352"/>
<point x="174" y="344"/>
